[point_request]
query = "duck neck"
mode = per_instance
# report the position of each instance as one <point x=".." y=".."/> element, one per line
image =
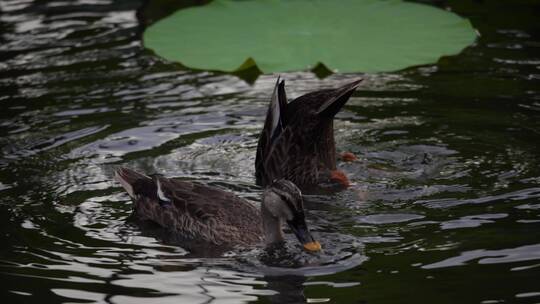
<point x="271" y="227"/>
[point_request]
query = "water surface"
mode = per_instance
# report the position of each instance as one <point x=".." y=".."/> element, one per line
<point x="444" y="205"/>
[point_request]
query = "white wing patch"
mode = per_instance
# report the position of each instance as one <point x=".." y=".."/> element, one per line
<point x="160" y="193"/>
<point x="276" y="111"/>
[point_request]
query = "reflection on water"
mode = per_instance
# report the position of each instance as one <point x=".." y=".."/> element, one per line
<point x="444" y="205"/>
<point x="523" y="253"/>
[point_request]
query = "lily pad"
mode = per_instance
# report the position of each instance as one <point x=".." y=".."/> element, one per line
<point x="287" y="35"/>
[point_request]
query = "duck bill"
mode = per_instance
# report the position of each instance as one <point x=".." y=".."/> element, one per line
<point x="300" y="229"/>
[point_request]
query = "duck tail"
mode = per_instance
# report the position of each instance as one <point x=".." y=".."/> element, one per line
<point x="274" y="124"/>
<point x="340" y="96"/>
<point x="131" y="180"/>
<point x="278" y="105"/>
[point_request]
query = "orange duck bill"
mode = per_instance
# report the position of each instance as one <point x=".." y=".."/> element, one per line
<point x="299" y="228"/>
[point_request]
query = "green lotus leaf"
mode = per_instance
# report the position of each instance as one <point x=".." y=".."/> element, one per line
<point x="287" y="35"/>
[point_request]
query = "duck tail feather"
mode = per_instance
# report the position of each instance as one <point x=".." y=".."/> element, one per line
<point x="130" y="180"/>
<point x="341" y="95"/>
<point x="278" y="107"/>
<point x="282" y="99"/>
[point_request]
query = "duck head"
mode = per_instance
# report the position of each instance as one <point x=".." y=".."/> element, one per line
<point x="283" y="203"/>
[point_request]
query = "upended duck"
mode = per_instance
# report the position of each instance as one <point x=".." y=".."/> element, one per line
<point x="208" y="214"/>
<point x="297" y="141"/>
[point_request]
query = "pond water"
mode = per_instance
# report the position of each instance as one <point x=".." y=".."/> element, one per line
<point x="445" y="202"/>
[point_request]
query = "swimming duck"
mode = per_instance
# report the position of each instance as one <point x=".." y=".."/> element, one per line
<point x="207" y="214"/>
<point x="297" y="140"/>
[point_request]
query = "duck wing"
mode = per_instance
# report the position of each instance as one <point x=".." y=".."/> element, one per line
<point x="274" y="123"/>
<point x="211" y="204"/>
<point x="191" y="210"/>
<point x="287" y="157"/>
<point x="312" y="116"/>
<point x="272" y="148"/>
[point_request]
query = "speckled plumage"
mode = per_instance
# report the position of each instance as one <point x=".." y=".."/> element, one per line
<point x="193" y="211"/>
<point x="297" y="140"/>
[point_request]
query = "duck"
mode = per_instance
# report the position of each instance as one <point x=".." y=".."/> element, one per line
<point x="297" y="140"/>
<point x="209" y="215"/>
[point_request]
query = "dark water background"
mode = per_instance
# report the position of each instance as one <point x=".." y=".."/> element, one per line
<point x="445" y="205"/>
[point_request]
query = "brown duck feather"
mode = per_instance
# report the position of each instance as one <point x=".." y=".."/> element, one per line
<point x="297" y="140"/>
<point x="194" y="211"/>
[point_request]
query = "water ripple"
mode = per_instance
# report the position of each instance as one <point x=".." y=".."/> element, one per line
<point x="446" y="178"/>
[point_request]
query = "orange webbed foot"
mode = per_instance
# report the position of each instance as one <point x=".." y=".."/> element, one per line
<point x="339" y="177"/>
<point x="348" y="157"/>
